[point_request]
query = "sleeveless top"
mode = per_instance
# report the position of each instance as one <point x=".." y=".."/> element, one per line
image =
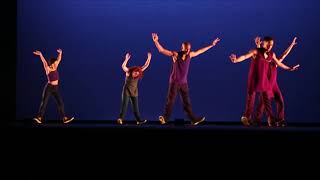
<point x="130" y="87"/>
<point x="258" y="79"/>
<point x="180" y="69"/>
<point x="53" y="76"/>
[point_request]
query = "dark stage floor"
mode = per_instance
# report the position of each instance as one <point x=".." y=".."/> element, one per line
<point x="179" y="132"/>
<point x="81" y="141"/>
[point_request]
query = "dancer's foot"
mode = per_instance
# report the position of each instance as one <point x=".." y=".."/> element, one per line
<point x="281" y="123"/>
<point x="38" y="119"/>
<point x="141" y="122"/>
<point x="163" y="120"/>
<point x="198" y="121"/>
<point x="120" y="121"/>
<point x="67" y="119"/>
<point x="256" y="123"/>
<point x="271" y="122"/>
<point x="245" y="121"/>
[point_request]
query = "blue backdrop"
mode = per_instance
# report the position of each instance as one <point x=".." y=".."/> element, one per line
<point x="96" y="34"/>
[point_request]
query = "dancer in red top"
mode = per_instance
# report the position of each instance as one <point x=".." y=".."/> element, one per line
<point x="258" y="80"/>
<point x="275" y="90"/>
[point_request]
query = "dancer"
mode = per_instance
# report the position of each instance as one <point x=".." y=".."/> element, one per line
<point x="178" y="79"/>
<point x="258" y="80"/>
<point x="52" y="87"/>
<point x="275" y="90"/>
<point x="130" y="89"/>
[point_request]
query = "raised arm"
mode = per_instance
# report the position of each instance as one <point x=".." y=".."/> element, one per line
<point x="57" y="62"/>
<point x="202" y="50"/>
<point x="161" y="49"/>
<point x="146" y="65"/>
<point x="250" y="54"/>
<point x="288" y="50"/>
<point x="44" y="61"/>
<point x="124" y="64"/>
<point x="283" y="66"/>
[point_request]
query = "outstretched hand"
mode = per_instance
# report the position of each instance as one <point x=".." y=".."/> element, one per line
<point x="59" y="51"/>
<point x="215" y="41"/>
<point x="128" y="56"/>
<point x="294" y="42"/>
<point x="233" y="57"/>
<point x="149" y="55"/>
<point x="296" y="67"/>
<point x="155" y="37"/>
<point x="38" y="53"/>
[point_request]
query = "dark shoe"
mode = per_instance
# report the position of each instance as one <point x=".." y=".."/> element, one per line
<point x="281" y="123"/>
<point x="141" y="122"/>
<point x="163" y="120"/>
<point x="256" y="123"/>
<point x="198" y="121"/>
<point x="120" y="121"/>
<point x="245" y="121"/>
<point x="38" y="120"/>
<point x="67" y="120"/>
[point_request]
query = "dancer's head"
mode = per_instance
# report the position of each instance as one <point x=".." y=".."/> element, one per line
<point x="52" y="61"/>
<point x="136" y="72"/>
<point x="268" y="43"/>
<point x="186" y="47"/>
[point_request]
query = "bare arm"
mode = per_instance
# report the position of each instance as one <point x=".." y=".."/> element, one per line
<point x="250" y="54"/>
<point x="161" y="49"/>
<point x="57" y="62"/>
<point x="44" y="61"/>
<point x="202" y="50"/>
<point x="124" y="64"/>
<point x="283" y="66"/>
<point x="146" y="65"/>
<point x="288" y="50"/>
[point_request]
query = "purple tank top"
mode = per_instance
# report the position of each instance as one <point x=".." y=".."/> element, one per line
<point x="180" y="69"/>
<point x="53" y="76"/>
<point x="258" y="79"/>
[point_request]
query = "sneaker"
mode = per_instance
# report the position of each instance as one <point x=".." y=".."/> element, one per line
<point x="141" y="122"/>
<point x="271" y="122"/>
<point x="198" y="121"/>
<point x="38" y="120"/>
<point x="67" y="120"/>
<point x="281" y="123"/>
<point x="120" y="121"/>
<point x="163" y="120"/>
<point x="245" y="121"/>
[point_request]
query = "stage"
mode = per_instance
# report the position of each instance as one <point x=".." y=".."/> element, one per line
<point x="175" y="133"/>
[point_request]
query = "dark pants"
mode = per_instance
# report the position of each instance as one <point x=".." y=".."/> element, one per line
<point x="279" y="102"/>
<point x="250" y="104"/>
<point x="47" y="92"/>
<point x="174" y="89"/>
<point x="124" y="106"/>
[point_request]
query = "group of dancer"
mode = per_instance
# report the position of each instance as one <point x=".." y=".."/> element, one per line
<point x="262" y="79"/>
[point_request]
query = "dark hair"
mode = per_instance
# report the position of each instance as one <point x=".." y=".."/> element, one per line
<point x="186" y="43"/>
<point x="51" y="61"/>
<point x="268" y="38"/>
<point x="135" y="69"/>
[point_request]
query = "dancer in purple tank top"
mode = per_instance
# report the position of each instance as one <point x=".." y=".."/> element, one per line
<point x="258" y="81"/>
<point x="52" y="87"/>
<point x="178" y="82"/>
<point x="275" y="90"/>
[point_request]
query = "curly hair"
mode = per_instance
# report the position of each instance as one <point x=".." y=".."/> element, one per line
<point x="136" y="69"/>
